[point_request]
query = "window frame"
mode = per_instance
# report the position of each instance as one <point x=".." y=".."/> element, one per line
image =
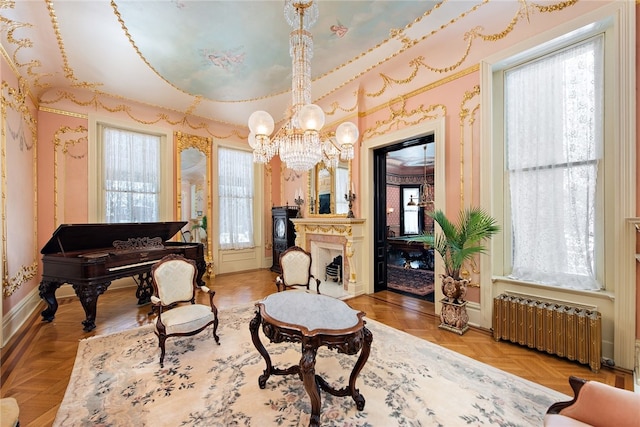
<point x="617" y="302"/>
<point x="96" y="208"/>
<point x="599" y="225"/>
<point x="256" y="202"/>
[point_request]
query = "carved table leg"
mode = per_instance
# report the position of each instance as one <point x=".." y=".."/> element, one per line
<point x="47" y="290"/>
<point x="362" y="359"/>
<point x="88" y="295"/>
<point x="254" y="327"/>
<point x="308" y="373"/>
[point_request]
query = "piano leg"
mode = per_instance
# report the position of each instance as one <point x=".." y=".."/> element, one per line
<point x="47" y="290"/>
<point x="201" y="264"/>
<point x="145" y="288"/>
<point x="88" y="295"/>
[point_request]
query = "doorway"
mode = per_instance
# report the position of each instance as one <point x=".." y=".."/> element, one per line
<point x="403" y="197"/>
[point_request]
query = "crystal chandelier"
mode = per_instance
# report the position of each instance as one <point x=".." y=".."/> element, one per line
<point x="298" y="142"/>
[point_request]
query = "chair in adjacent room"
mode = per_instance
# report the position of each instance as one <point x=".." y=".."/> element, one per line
<point x="595" y="404"/>
<point x="295" y="264"/>
<point x="174" y="284"/>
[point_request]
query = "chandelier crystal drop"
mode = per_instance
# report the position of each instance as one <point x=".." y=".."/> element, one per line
<point x="299" y="142"/>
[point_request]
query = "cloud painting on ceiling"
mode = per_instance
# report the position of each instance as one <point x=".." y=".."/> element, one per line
<point x="231" y="50"/>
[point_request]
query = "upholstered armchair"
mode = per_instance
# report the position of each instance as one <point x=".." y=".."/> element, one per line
<point x="595" y="404"/>
<point x="295" y="264"/>
<point x="174" y="285"/>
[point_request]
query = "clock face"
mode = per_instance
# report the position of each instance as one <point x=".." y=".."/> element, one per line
<point x="280" y="228"/>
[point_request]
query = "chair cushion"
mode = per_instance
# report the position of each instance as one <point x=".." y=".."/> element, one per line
<point x="174" y="280"/>
<point x="295" y="268"/>
<point x="9" y="412"/>
<point x="187" y="318"/>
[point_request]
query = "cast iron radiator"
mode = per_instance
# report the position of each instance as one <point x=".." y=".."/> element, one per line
<point x="565" y="330"/>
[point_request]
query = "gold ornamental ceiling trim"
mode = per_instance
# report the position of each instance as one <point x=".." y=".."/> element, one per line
<point x="399" y="34"/>
<point x="12" y="60"/>
<point x="68" y="71"/>
<point x="470" y="36"/>
<point x="114" y="6"/>
<point x="423" y="89"/>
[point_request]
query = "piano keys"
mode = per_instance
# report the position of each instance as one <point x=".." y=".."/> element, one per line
<point x="91" y="256"/>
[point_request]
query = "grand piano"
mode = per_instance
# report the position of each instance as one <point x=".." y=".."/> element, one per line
<point x="91" y="256"/>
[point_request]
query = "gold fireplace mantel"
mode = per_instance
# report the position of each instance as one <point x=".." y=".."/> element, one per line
<point x="349" y="231"/>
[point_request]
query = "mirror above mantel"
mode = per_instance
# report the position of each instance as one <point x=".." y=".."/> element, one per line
<point x="193" y="157"/>
<point x="327" y="188"/>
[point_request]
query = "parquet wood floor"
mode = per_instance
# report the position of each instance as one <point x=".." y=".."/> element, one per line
<point x="37" y="362"/>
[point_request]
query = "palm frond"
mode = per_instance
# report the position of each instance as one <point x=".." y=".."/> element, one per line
<point x="457" y="243"/>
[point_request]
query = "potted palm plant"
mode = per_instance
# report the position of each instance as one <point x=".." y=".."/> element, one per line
<point x="457" y="243"/>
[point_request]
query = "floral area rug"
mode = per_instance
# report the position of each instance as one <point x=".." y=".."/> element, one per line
<point x="413" y="280"/>
<point x="407" y="381"/>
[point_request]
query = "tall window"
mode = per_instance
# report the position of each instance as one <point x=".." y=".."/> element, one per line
<point x="131" y="175"/>
<point x="235" y="170"/>
<point x="410" y="198"/>
<point x="554" y="137"/>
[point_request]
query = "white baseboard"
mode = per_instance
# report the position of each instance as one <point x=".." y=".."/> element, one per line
<point x="19" y="314"/>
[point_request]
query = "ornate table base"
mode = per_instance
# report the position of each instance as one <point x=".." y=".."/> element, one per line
<point x="350" y="342"/>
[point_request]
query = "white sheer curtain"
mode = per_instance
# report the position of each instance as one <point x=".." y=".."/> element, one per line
<point x="131" y="175"/>
<point x="342" y="188"/>
<point x="553" y="122"/>
<point x="235" y="170"/>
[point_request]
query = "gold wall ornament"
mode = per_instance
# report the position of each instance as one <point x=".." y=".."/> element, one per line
<point x="470" y="36"/>
<point x="335" y="106"/>
<point x="64" y="146"/>
<point x="63" y="112"/>
<point x="24" y="274"/>
<point x="469" y="108"/>
<point x="467" y="119"/>
<point x="400" y="118"/>
<point x="16" y="99"/>
<point x="96" y="103"/>
<point x="554" y="7"/>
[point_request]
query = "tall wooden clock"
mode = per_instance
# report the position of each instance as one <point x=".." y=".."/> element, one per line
<point x="284" y="235"/>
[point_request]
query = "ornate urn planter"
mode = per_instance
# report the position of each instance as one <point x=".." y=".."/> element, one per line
<point x="456" y="243"/>
<point x="453" y="316"/>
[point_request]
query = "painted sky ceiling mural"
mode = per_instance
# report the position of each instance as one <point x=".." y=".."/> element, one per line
<point x="239" y="50"/>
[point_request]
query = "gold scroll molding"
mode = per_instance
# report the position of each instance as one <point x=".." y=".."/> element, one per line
<point x="400" y="117"/>
<point x="469" y="108"/>
<point x="470" y="36"/>
<point x="16" y="99"/>
<point x="63" y="143"/>
<point x="329" y="229"/>
<point x="97" y="101"/>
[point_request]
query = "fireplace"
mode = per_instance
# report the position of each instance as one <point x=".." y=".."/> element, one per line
<point x="326" y="238"/>
<point x="323" y="254"/>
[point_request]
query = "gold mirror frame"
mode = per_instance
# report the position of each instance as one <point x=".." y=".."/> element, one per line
<point x="202" y="144"/>
<point x="314" y="190"/>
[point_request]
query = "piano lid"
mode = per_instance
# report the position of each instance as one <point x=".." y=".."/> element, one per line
<point x="76" y="237"/>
